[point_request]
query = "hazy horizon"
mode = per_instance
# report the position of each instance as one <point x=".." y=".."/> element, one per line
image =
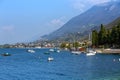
<point x="23" y="20"/>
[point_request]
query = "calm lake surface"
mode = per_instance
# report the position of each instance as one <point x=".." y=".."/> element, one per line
<point x="22" y="65"/>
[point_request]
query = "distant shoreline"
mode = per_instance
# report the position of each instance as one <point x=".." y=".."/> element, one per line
<point x="108" y="51"/>
<point x="100" y="50"/>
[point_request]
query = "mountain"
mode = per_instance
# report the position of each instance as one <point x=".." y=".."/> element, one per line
<point x="109" y="25"/>
<point x="113" y="23"/>
<point x="83" y="23"/>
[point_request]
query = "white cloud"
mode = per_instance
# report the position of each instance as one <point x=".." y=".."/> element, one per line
<point x="54" y="24"/>
<point x="8" y="28"/>
<point x="79" y="6"/>
<point x="82" y="5"/>
<point x="7" y="31"/>
<point x="57" y="22"/>
<point x="98" y="1"/>
<point x="7" y="34"/>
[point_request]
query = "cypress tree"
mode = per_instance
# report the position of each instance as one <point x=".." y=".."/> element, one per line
<point x="102" y="35"/>
<point x="94" y="38"/>
<point x="114" y="36"/>
<point x="108" y="39"/>
<point x="119" y="35"/>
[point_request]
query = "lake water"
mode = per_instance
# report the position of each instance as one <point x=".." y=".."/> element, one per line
<point x="22" y="65"/>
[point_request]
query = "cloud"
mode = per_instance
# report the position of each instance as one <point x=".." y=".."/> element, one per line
<point x="54" y="24"/>
<point x="7" y="34"/>
<point x="7" y="31"/>
<point x="57" y="22"/>
<point x="79" y="6"/>
<point x="98" y="1"/>
<point x="82" y="5"/>
<point x="8" y="28"/>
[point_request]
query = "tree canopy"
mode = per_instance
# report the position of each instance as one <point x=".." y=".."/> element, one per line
<point x="106" y="37"/>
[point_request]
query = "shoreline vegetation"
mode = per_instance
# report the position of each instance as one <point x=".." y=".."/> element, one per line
<point x="106" y="38"/>
<point x="76" y="46"/>
<point x="102" y="41"/>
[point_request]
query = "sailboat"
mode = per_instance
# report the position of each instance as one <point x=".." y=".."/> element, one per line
<point x="91" y="53"/>
<point x="75" y="50"/>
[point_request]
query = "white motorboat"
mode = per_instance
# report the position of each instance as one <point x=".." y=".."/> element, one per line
<point x="31" y="51"/>
<point x="76" y="52"/>
<point x="90" y="53"/>
<point x="52" y="50"/>
<point x="50" y="58"/>
<point x="58" y="51"/>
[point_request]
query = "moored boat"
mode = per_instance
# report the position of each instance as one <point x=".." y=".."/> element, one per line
<point x="31" y="51"/>
<point x="58" y="51"/>
<point x="51" y="50"/>
<point x="46" y="53"/>
<point x="50" y="58"/>
<point x="6" y="54"/>
<point x="76" y="52"/>
<point x="91" y="53"/>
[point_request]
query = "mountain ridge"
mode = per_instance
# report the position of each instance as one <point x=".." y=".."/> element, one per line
<point x="113" y="23"/>
<point x="84" y="22"/>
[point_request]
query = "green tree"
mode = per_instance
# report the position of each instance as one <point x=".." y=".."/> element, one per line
<point x="118" y="35"/>
<point x="114" y="36"/>
<point x="108" y="40"/>
<point x="102" y="35"/>
<point x="76" y="45"/>
<point x="94" y="38"/>
<point x="63" y="45"/>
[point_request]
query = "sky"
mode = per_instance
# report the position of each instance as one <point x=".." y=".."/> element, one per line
<point x="27" y="20"/>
